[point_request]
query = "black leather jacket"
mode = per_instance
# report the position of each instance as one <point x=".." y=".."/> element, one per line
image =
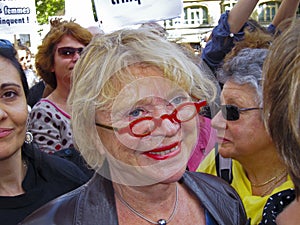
<point x="94" y="203"/>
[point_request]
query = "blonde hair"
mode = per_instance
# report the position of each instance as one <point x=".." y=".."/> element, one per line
<point x="281" y="92"/>
<point x="94" y="88"/>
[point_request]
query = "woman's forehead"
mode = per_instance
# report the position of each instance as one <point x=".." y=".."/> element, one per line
<point x="152" y="86"/>
<point x="147" y="90"/>
<point x="139" y="81"/>
<point x="144" y="70"/>
<point x="234" y="92"/>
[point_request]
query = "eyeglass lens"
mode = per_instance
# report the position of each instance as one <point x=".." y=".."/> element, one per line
<point x="144" y="126"/>
<point x="68" y="52"/>
<point x="230" y="112"/>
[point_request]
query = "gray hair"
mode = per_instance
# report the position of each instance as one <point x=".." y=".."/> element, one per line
<point x="245" y="68"/>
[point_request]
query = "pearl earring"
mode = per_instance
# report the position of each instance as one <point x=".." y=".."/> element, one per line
<point x="28" y="137"/>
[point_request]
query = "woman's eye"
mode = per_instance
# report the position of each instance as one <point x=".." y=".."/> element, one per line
<point x="9" y="94"/>
<point x="136" y="112"/>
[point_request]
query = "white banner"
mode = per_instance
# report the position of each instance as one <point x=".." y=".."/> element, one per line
<point x="115" y="14"/>
<point x="81" y="11"/>
<point x="17" y="17"/>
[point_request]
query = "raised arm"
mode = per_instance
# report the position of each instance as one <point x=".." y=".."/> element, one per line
<point x="240" y="13"/>
<point x="287" y="9"/>
<point x="228" y="30"/>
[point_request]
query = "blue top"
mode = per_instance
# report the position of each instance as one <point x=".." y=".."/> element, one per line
<point x="209" y="218"/>
<point x="222" y="41"/>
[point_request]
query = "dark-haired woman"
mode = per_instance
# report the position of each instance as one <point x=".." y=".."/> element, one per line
<point x="29" y="178"/>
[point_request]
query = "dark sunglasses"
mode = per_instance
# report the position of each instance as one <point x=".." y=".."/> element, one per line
<point x="68" y="52"/>
<point x="232" y="112"/>
<point x="5" y="44"/>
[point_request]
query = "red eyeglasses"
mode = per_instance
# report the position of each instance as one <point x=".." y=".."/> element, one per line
<point x="144" y="126"/>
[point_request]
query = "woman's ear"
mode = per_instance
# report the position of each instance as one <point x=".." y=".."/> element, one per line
<point x="98" y="143"/>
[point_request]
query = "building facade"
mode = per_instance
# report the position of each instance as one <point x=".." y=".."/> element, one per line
<point x="199" y="17"/>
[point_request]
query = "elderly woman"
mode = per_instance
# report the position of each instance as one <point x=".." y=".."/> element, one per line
<point x="257" y="169"/>
<point x="282" y="114"/>
<point x="29" y="178"/>
<point x="135" y="97"/>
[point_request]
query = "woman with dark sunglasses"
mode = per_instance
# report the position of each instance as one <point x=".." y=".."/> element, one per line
<point x="257" y="170"/>
<point x="29" y="178"/>
<point x="49" y="119"/>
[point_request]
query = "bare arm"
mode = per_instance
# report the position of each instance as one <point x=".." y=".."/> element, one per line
<point x="286" y="10"/>
<point x="240" y="13"/>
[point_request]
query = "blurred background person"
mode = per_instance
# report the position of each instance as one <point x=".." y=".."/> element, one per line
<point x="281" y="89"/>
<point x="49" y="119"/>
<point x="26" y="60"/>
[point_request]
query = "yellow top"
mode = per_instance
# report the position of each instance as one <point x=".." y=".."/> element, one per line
<point x="253" y="204"/>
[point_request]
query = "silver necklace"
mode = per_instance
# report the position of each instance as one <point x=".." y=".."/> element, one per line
<point x="159" y="222"/>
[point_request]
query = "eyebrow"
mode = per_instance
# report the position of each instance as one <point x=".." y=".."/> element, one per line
<point x="4" y="85"/>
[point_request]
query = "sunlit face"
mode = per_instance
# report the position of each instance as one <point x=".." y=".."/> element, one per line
<point x="160" y="156"/>
<point x="13" y="110"/>
<point x="63" y="66"/>
<point x="247" y="136"/>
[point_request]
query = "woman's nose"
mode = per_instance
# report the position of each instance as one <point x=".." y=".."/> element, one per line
<point x="168" y="128"/>
<point x="76" y="56"/>
<point x="3" y="114"/>
<point x="218" y="122"/>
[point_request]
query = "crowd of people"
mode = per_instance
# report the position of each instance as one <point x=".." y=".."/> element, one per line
<point x="128" y="127"/>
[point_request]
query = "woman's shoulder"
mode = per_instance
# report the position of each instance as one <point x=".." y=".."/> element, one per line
<point x="78" y="204"/>
<point x="53" y="168"/>
<point x="276" y="204"/>
<point x="43" y="104"/>
<point x="47" y="106"/>
<point x="214" y="193"/>
<point x="41" y="109"/>
<point x="50" y="212"/>
<point x="211" y="187"/>
<point x="201" y="179"/>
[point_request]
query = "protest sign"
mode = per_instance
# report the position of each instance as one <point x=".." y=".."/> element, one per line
<point x="115" y="14"/>
<point x="81" y="11"/>
<point x="17" y="17"/>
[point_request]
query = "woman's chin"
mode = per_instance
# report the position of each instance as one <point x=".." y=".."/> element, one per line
<point x="174" y="177"/>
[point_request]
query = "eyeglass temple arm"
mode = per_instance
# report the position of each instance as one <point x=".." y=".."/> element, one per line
<point x="106" y="127"/>
<point x="247" y="109"/>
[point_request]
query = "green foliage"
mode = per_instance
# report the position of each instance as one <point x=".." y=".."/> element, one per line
<point x="48" y="8"/>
